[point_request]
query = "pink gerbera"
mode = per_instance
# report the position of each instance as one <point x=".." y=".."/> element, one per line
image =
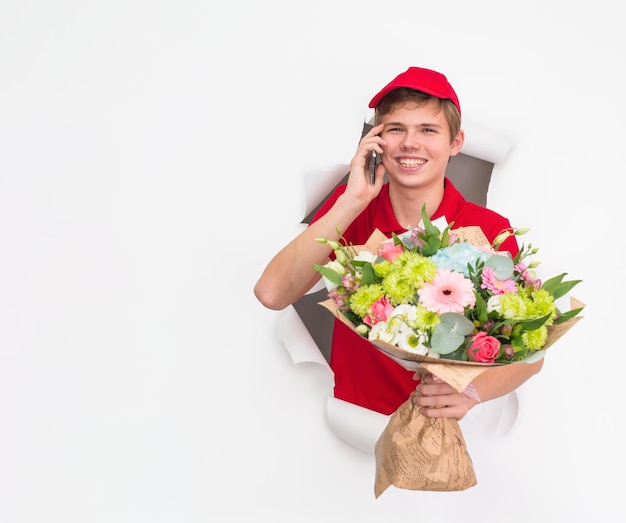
<point x="448" y="292"/>
<point x="490" y="282"/>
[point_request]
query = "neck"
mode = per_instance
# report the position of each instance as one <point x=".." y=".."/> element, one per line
<point x="407" y="204"/>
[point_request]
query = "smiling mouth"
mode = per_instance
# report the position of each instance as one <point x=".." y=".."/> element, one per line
<point x="411" y="162"/>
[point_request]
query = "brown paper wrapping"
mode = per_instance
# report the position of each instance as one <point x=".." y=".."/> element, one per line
<point x="419" y="453"/>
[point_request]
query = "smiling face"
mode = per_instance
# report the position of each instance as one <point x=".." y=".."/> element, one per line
<point x="418" y="144"/>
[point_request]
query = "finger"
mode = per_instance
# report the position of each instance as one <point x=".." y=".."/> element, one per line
<point x="368" y="146"/>
<point x="442" y="412"/>
<point x="431" y="378"/>
<point x="372" y="137"/>
<point x="436" y="389"/>
<point x="377" y="129"/>
<point x="432" y="401"/>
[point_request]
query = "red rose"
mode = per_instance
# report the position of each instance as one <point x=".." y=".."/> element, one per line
<point x="484" y="348"/>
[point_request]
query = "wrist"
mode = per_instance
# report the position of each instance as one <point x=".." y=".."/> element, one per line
<point x="353" y="204"/>
<point x="471" y="392"/>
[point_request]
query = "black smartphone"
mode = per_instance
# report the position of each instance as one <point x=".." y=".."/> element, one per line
<point x="374" y="161"/>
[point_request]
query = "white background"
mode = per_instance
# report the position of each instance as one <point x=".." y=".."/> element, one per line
<point x="152" y="157"/>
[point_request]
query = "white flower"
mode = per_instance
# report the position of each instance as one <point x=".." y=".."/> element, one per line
<point x="362" y="329"/>
<point x="366" y="256"/>
<point x="412" y="341"/>
<point x="494" y="305"/>
<point x="406" y="312"/>
<point x="384" y="332"/>
<point x="334" y="265"/>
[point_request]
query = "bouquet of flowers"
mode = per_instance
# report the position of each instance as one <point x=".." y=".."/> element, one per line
<point x="452" y="302"/>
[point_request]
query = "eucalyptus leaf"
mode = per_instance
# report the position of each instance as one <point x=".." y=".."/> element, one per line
<point x="444" y="340"/>
<point x="502" y="266"/>
<point x="450" y="334"/>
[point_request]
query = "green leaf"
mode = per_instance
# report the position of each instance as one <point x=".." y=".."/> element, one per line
<point x="431" y="246"/>
<point x="369" y="276"/>
<point x="564" y="288"/>
<point x="396" y="239"/>
<point x="553" y="283"/>
<point x="557" y="287"/>
<point x="329" y="274"/>
<point x="535" y="323"/>
<point x="480" y="308"/>
<point x="430" y="229"/>
<point x="458" y="355"/>
<point x="568" y="315"/>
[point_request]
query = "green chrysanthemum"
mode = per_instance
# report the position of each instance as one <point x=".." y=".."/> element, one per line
<point x="398" y="288"/>
<point x="514" y="306"/>
<point x="405" y="275"/>
<point x="543" y="303"/>
<point x="417" y="268"/>
<point x="536" y="339"/>
<point x="382" y="268"/>
<point x="425" y="320"/>
<point x="364" y="297"/>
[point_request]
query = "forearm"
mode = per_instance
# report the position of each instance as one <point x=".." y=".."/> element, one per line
<point x="290" y="274"/>
<point x="501" y="380"/>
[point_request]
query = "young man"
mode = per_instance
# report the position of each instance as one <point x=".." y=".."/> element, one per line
<point x="417" y="128"/>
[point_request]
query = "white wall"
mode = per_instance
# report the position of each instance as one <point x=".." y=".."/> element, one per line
<point x="152" y="157"/>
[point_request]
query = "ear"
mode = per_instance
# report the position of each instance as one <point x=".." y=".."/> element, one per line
<point x="457" y="143"/>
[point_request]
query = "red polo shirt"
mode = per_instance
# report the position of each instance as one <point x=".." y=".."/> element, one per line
<point x="364" y="375"/>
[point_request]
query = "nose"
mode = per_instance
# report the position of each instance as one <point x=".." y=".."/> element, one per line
<point x="410" y="140"/>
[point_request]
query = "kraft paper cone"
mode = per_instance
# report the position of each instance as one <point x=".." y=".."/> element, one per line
<point x="419" y="453"/>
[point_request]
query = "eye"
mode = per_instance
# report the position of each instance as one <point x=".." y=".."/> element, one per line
<point x="429" y="130"/>
<point x="394" y="130"/>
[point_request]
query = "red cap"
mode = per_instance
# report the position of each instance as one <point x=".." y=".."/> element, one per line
<point x="425" y="80"/>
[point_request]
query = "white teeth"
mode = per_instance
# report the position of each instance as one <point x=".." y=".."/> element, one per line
<point x="411" y="162"/>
